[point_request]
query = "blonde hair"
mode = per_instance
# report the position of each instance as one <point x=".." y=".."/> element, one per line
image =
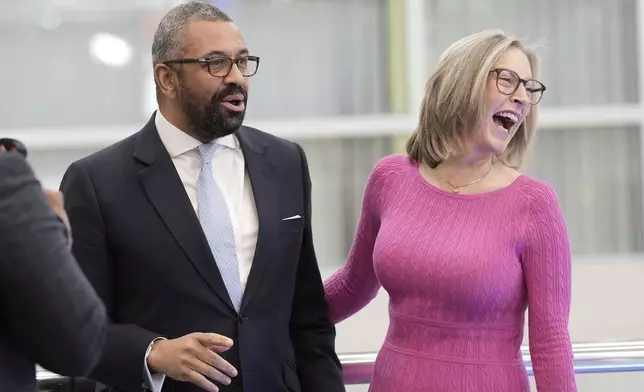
<point x="453" y="105"/>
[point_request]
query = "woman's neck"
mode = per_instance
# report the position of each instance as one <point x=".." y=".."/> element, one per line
<point x="464" y="169"/>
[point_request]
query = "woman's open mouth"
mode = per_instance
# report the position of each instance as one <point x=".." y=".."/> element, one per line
<point x="505" y="120"/>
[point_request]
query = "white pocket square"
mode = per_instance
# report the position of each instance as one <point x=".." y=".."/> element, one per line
<point x="292" y="217"/>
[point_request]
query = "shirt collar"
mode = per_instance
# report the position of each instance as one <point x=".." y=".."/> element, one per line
<point x="178" y="142"/>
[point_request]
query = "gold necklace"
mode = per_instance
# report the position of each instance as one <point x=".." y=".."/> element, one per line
<point x="457" y="188"/>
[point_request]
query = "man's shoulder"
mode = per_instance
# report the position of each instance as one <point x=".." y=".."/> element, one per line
<point x="16" y="175"/>
<point x="12" y="164"/>
<point x="269" y="139"/>
<point x="280" y="150"/>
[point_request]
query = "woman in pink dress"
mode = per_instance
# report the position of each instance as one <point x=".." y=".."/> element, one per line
<point x="461" y="241"/>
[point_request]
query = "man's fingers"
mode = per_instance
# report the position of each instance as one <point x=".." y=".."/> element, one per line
<point x="219" y="349"/>
<point x="213" y="339"/>
<point x="212" y="359"/>
<point x="203" y="363"/>
<point x="209" y="356"/>
<point x="209" y="371"/>
<point x="224" y="365"/>
<point x="201" y="381"/>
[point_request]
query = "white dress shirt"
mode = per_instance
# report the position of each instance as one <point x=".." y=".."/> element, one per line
<point x="230" y="174"/>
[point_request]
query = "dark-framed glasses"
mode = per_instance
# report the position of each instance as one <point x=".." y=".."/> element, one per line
<point x="508" y="82"/>
<point x="220" y="66"/>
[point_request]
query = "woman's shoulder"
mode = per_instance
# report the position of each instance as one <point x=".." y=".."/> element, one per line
<point x="392" y="164"/>
<point x="536" y="187"/>
<point x="539" y="194"/>
<point x="388" y="175"/>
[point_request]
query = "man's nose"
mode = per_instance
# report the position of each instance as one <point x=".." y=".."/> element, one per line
<point x="234" y="76"/>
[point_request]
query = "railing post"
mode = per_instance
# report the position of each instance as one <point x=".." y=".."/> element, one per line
<point x="408" y="60"/>
<point x="639" y="5"/>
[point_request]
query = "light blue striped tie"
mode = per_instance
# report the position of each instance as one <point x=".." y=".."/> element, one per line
<point x="216" y="224"/>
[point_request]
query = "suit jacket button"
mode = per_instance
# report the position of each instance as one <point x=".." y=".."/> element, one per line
<point x="243" y="319"/>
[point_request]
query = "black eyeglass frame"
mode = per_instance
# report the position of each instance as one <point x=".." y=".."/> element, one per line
<point x="207" y="61"/>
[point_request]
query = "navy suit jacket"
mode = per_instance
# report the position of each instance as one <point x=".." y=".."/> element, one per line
<point x="140" y="243"/>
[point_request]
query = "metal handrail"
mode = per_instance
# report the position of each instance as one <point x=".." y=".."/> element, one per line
<point x="603" y="357"/>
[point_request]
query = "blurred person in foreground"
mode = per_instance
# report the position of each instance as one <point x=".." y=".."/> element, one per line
<point x="49" y="313"/>
<point x="197" y="230"/>
<point x="462" y="241"/>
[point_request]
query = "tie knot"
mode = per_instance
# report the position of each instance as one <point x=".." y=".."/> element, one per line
<point x="207" y="151"/>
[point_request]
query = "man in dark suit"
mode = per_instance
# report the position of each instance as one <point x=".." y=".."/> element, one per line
<point x="198" y="229"/>
<point x="49" y="312"/>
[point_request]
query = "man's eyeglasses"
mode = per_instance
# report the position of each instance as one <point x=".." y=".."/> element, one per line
<point x="220" y="67"/>
<point x="508" y="81"/>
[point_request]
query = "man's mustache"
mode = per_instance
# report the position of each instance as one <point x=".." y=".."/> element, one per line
<point x="230" y="89"/>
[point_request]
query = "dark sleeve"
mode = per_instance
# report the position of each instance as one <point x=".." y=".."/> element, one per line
<point x="312" y="332"/>
<point x="50" y="310"/>
<point x="121" y="365"/>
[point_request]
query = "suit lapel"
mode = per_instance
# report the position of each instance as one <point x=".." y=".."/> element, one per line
<point x="168" y="196"/>
<point x="261" y="170"/>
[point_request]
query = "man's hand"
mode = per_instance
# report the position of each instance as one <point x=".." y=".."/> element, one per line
<point x="192" y="358"/>
<point x="56" y="201"/>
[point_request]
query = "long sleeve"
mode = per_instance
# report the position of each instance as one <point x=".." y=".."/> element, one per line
<point x="121" y="365"/>
<point x="152" y="381"/>
<point x="311" y="331"/>
<point x="50" y="310"/>
<point x="354" y="285"/>
<point x="547" y="270"/>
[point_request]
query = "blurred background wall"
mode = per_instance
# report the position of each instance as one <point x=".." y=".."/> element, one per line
<point x="344" y="78"/>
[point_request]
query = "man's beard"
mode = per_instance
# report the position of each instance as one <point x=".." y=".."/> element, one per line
<point x="209" y="121"/>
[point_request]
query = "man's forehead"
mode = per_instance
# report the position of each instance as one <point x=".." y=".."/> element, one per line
<point x="204" y="37"/>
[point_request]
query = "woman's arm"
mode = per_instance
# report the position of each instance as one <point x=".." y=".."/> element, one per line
<point x="547" y="270"/>
<point x="354" y="285"/>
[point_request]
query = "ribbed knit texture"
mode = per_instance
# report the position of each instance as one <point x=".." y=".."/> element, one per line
<point x="460" y="271"/>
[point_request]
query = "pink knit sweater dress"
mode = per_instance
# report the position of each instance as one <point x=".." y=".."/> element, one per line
<point x="460" y="271"/>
